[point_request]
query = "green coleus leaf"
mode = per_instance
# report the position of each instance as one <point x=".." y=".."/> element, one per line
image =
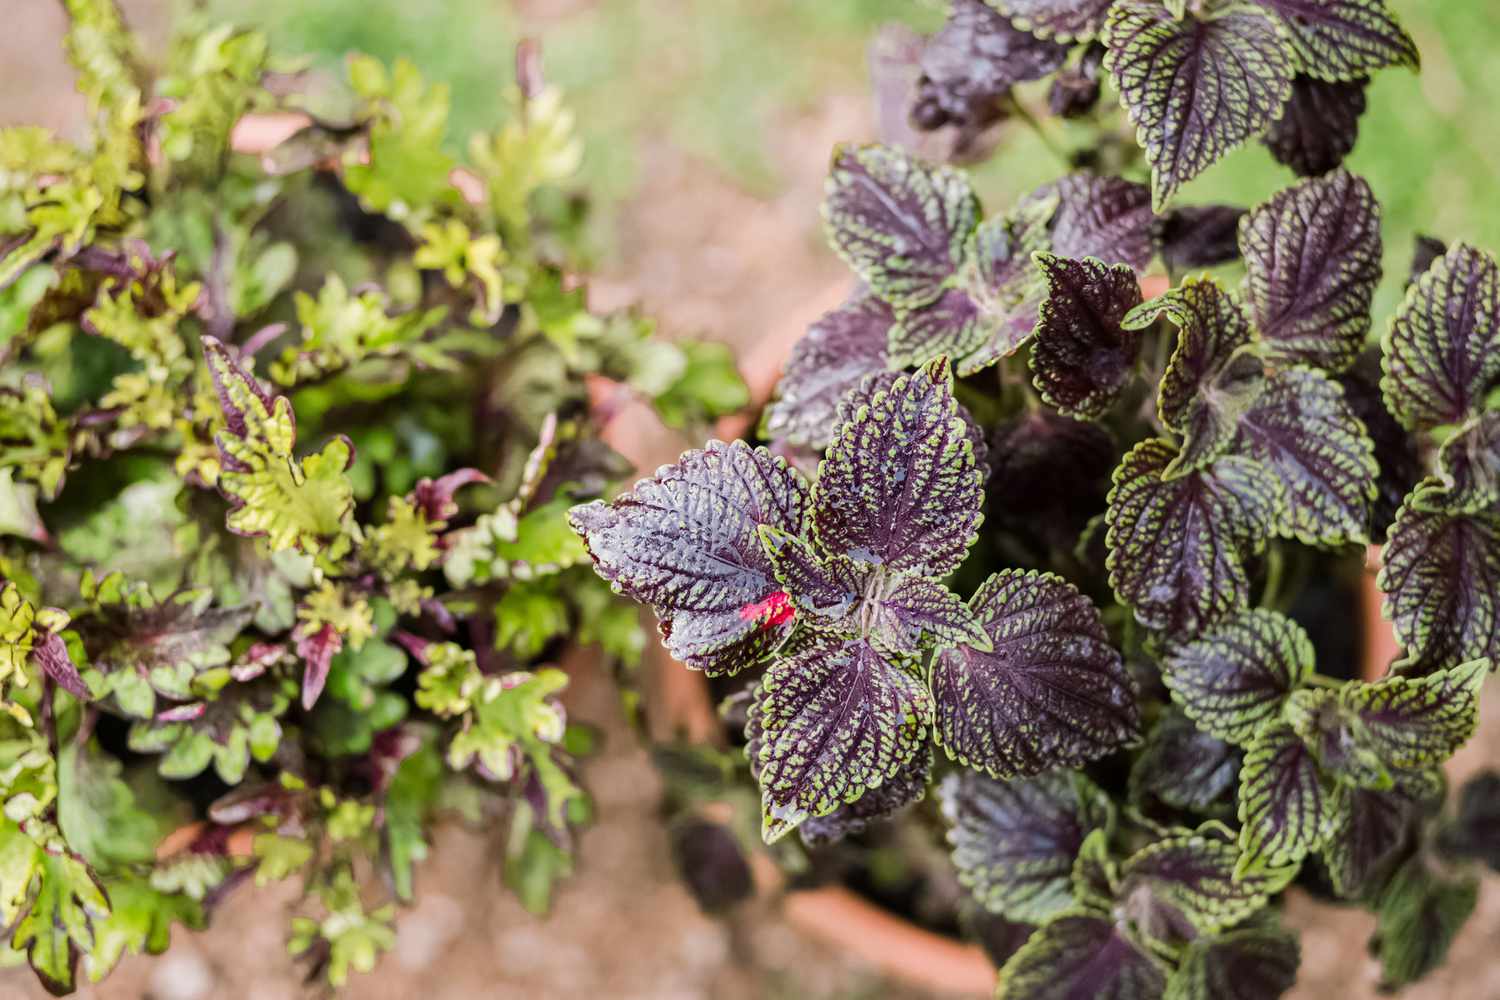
<point x="899" y="223"/>
<point x="28" y="771"/>
<point x="1081" y="356"/>
<point x="1344" y="39"/>
<point x="1416" y="722"/>
<point x="98" y="813"/>
<point x="409" y="801"/>
<point x="239" y="723"/>
<point x="139" y="923"/>
<point x="405" y="174"/>
<point x="1471" y="831"/>
<point x="1303" y="430"/>
<point x="1050" y="692"/>
<point x="34" y="441"/>
<point x="1183" y="767"/>
<point x="295" y="503"/>
<point x="1237" y="675"/>
<point x="1441" y="579"/>
<point x="1177" y="546"/>
<point x="353" y="935"/>
<point x="1014" y="842"/>
<point x="1080" y="955"/>
<point x="1195" y="87"/>
<point x="1420" y="913"/>
<point x="30" y="645"/>
<point x="838" y="717"/>
<point x="1256" y="963"/>
<point x="1064" y="20"/>
<point x="1441" y="355"/>
<point x="1286" y="801"/>
<point x="59" y="925"/>
<point x="899" y="485"/>
<point x="1213" y="376"/>
<point x="340" y="330"/>
<point x="19" y="857"/>
<point x="1312" y="262"/>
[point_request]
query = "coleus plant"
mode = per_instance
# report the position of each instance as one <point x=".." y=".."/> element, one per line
<point x="288" y="437"/>
<point x="1139" y="754"/>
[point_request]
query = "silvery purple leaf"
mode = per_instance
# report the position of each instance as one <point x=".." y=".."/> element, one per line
<point x="973" y="61"/>
<point x="839" y="350"/>
<point x="1318" y="126"/>
<point x="1065" y="20"/>
<point x="1105" y="217"/>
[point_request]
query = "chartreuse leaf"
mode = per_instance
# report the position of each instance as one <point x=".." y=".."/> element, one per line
<point x="353" y="935"/>
<point x="409" y="801"/>
<point x="1080" y="955"/>
<point x="838" y="718"/>
<point x="686" y="543"/>
<point x="1256" y="963"/>
<point x="899" y="486"/>
<point x="1312" y="261"/>
<point x="24" y="630"/>
<point x="1303" y="429"/>
<point x="1344" y="39"/>
<point x="1195" y="87"/>
<point x="295" y="503"/>
<point x="898" y="222"/>
<point x="1081" y="357"/>
<point x="405" y="172"/>
<point x="1014" y="842"/>
<point x="34" y="441"/>
<point x="1051" y="692"/>
<point x="19" y="857"/>
<point x="835" y="354"/>
<point x="238" y="723"/>
<point x="908" y="786"/>
<point x="97" y="810"/>
<point x="1286" y="801"/>
<point x="1183" y="767"/>
<point x="60" y="923"/>
<point x="1064" y="20"/>
<point x="139" y="923"/>
<point x="340" y="330"/>
<point x="1441" y="354"/>
<point x="1177" y="546"/>
<point x="1319" y="125"/>
<point x="1213" y="376"/>
<point x="1420" y="913"/>
<point x="1441" y="579"/>
<point x="1237" y="675"/>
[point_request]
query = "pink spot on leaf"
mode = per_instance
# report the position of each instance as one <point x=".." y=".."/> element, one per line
<point x="770" y="611"/>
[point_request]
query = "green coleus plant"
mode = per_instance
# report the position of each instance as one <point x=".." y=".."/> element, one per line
<point x="1152" y="721"/>
<point x="288" y="435"/>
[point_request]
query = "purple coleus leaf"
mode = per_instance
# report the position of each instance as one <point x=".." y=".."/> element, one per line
<point x="1469" y="463"/>
<point x="1081" y="357"/>
<point x="1303" y="430"/>
<point x="1051" y="692"/>
<point x="1368" y="835"/>
<point x="837" y="718"/>
<point x="1442" y="351"/>
<point x="1396" y="452"/>
<point x="1177" y="545"/>
<point x="1441" y="579"/>
<point x="973" y="61"/>
<point x="1047" y="466"/>
<point x="1064" y="20"/>
<point x="1183" y="767"/>
<point x="1014" y="842"/>
<point x="899" y="486"/>
<point x="1344" y="39"/>
<point x="838" y="351"/>
<point x="434" y="497"/>
<point x="51" y="654"/>
<point x="1080" y="955"/>
<point x="1312" y="262"/>
<point x="1199" y="236"/>
<point x="1286" y="806"/>
<point x="1195" y="88"/>
<point x="686" y="543"/>
<point x="899" y="223"/>
<point x="1254" y="963"/>
<point x="907" y="787"/>
<point x="1319" y="125"/>
<point x="317" y="648"/>
<point x="1093" y="216"/>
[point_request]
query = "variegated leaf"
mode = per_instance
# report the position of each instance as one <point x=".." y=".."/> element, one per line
<point x="1183" y="767"/>
<point x="685" y="542"/>
<point x="839" y="350"/>
<point x="1416" y="722"/>
<point x="1256" y="963"/>
<point x="973" y="61"/>
<point x="1344" y="39"/>
<point x="1286" y="802"/>
<point x="1319" y="125"/>
<point x="1051" y="693"/>
<point x="1195" y="88"/>
<point x="1065" y="20"/>
<point x="1080" y="955"/>
<point x="1469" y="463"/>
<point x="1105" y="217"/>
<point x="908" y="786"/>
<point x="1371" y="829"/>
<point x="1081" y="357"/>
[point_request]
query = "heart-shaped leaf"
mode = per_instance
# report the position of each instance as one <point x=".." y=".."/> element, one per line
<point x="1319" y="125"/>
<point x="1080" y="955"/>
<point x="1344" y="39"/>
<point x="685" y="542"/>
<point x="1081" y="357"/>
<point x="1065" y="20"/>
<point x="1257" y="963"/>
<point x="1286" y="802"/>
<point x="1051" y="693"/>
<point x="1195" y="88"/>
<point x="840" y="349"/>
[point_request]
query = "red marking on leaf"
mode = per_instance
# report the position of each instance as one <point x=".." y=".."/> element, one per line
<point x="317" y="650"/>
<point x="776" y="609"/>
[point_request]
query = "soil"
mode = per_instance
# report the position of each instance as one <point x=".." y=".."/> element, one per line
<point x="706" y="259"/>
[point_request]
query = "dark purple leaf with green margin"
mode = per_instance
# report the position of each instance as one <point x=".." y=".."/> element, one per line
<point x="1195" y="88"/>
<point x="899" y="486"/>
<point x="837" y="719"/>
<point x="1199" y="236"/>
<point x="1303" y="430"/>
<point x="1051" y="693"/>
<point x="1312" y="262"/>
<point x="1177" y="546"/>
<point x="1079" y="955"/>
<point x="1421" y="911"/>
<point x="1183" y="767"/>
<point x="1081" y="358"/>
<point x="973" y="61"/>
<point x="899" y="223"/>
<point x="907" y="787"/>
<point x="1416" y="722"/>
<point x="1442" y="351"/>
<point x="1064" y="20"/>
<point x="1441" y="579"/>
<point x="1318" y="126"/>
<point x="1236" y="676"/>
<point x="1256" y="963"/>
<point x="1049" y="467"/>
<point x="1344" y="39"/>
<point x="51" y="654"/>
<point x="954" y="325"/>
<point x="1105" y="217"/>
<point x="1075" y="89"/>
<point x="1426" y="250"/>
<point x="1014" y="842"/>
<point x="1286" y="802"/>
<point x="685" y="542"/>
<point x="1395" y="447"/>
<point x="1469" y="463"/>
<point x="841" y="348"/>
<point x="1369" y="832"/>
<point x="1212" y="377"/>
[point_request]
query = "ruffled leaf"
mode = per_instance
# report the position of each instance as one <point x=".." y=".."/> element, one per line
<point x="839" y="350"/>
<point x="907" y="787"/>
<point x="1319" y="125"/>
<point x="1344" y="39"/>
<point x="239" y="724"/>
<point x="1257" y="963"/>
<point x="1237" y="675"/>
<point x="1105" y="217"/>
<point x="1177" y="546"/>
<point x="1195" y="88"/>
<point x="1014" y="842"/>
<point x="1051" y="693"/>
<point x="1081" y="357"/>
<point x="1286" y="802"/>
<point x="1079" y="955"/>
<point x="1416" y="722"/>
<point x="1065" y="20"/>
<point x="899" y="223"/>
<point x="60" y="923"/>
<point x="685" y="542"/>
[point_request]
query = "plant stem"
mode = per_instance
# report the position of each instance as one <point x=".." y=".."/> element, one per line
<point x="1053" y="146"/>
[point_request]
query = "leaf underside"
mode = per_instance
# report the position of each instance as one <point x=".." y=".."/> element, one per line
<point x="839" y="350"/>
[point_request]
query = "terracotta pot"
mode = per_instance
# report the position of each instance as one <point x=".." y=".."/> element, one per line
<point x="1379" y="646"/>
